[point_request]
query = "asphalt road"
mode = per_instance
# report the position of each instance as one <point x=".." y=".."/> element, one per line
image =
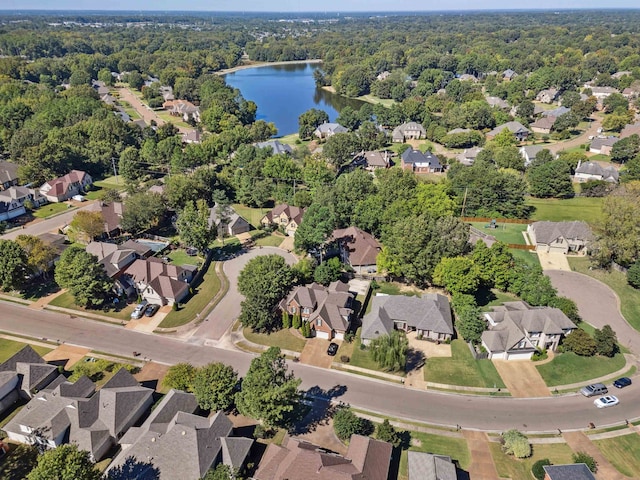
<point x="49" y="225"/>
<point x="477" y="412"/>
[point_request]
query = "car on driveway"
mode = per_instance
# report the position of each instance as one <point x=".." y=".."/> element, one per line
<point x="151" y="310"/>
<point x="139" y="310"/>
<point x="333" y="349"/>
<point x="608" y="401"/>
<point x="622" y="382"/>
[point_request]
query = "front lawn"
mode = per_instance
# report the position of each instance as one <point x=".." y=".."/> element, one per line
<point x="8" y="348"/>
<point x="587" y="209"/>
<point x="567" y="368"/>
<point x="509" y="466"/>
<point x="529" y="257"/>
<point x="267" y="240"/>
<point x="505" y="232"/>
<point x="113" y="182"/>
<point x="281" y="338"/>
<point x="395" y="288"/>
<point x="50" y="209"/>
<point x="361" y="358"/>
<point x="623" y="452"/>
<point x="179" y="257"/>
<point x="456" y="448"/>
<point x="462" y="369"/>
<point x="617" y="281"/>
<point x="251" y="215"/>
<point x="66" y="300"/>
<point x="204" y="293"/>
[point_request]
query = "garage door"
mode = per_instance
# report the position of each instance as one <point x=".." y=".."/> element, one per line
<point x="324" y="335"/>
<point x="520" y="356"/>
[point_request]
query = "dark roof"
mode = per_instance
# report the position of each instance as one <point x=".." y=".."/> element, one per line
<point x="362" y="247"/>
<point x="546" y="232"/>
<point x="576" y="471"/>
<point x="275" y="146"/>
<point x="416" y="157"/>
<point x="8" y="172"/>
<point x="598" y="143"/>
<point x="594" y="168"/>
<point x="26" y="355"/>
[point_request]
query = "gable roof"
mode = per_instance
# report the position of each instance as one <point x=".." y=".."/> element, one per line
<point x="160" y="276"/>
<point x="594" y="168"/>
<point x="400" y="131"/>
<point x="427" y="466"/>
<point x="8" y="172"/>
<point x="31" y="368"/>
<point x="513" y="127"/>
<point x="577" y="471"/>
<point x="60" y="185"/>
<point x="556" y="112"/>
<point x="598" y="143"/>
<point x="331" y="304"/>
<point x="362" y="247"/>
<point x="275" y="146"/>
<point x="544" y="122"/>
<point x="497" y="102"/>
<point x="234" y="217"/>
<point x="417" y="158"/>
<point x="292" y="212"/>
<point x="431" y="312"/>
<point x="331" y="128"/>
<point x="546" y="232"/>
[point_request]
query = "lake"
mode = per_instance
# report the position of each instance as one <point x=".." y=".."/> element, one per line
<point x="284" y="92"/>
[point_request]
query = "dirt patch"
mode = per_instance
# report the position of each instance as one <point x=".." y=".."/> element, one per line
<point x="315" y="353"/>
<point x="69" y="353"/>
<point x="324" y="436"/>
<point x="522" y="378"/>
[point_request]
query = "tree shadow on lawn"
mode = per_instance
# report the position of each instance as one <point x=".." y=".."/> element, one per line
<point x="415" y="360"/>
<point x="315" y="409"/>
<point x="484" y="296"/>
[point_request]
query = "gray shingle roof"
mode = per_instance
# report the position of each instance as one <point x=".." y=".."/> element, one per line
<point x="594" y="168"/>
<point x="546" y="232"/>
<point x="426" y="466"/>
<point x="598" y="143"/>
<point x="275" y="146"/>
<point x="578" y="471"/>
<point x="513" y="127"/>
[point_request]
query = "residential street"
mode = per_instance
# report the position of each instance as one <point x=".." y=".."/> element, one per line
<point x="49" y="225"/>
<point x="146" y="113"/>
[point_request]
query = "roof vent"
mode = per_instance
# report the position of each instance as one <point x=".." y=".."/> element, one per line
<point x="184" y="433"/>
<point x="153" y="439"/>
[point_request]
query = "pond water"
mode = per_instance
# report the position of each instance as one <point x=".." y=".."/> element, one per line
<point x="284" y="92"/>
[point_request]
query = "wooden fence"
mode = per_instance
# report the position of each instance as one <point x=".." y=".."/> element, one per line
<point x="497" y="220"/>
<point x="518" y="246"/>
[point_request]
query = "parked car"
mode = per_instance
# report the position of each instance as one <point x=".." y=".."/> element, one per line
<point x="608" y="401"/>
<point x="594" y="389"/>
<point x="333" y="349"/>
<point x="139" y="310"/>
<point x="622" y="382"/>
<point x="151" y="310"/>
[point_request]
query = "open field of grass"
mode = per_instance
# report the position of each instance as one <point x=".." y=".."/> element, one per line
<point x="66" y="301"/>
<point x="251" y="215"/>
<point x="510" y="467"/>
<point x="456" y="448"/>
<point x="282" y="338"/>
<point x="196" y="303"/>
<point x="179" y="257"/>
<point x="617" y="281"/>
<point x="50" y="209"/>
<point x="462" y="369"/>
<point x="587" y="209"/>
<point x="530" y="257"/>
<point x="567" y="368"/>
<point x="505" y="232"/>
<point x="387" y="102"/>
<point x="623" y="452"/>
<point x="8" y="348"/>
<point x="177" y="121"/>
<point x="116" y="183"/>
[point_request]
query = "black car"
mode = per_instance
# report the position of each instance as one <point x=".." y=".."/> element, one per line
<point x="333" y="349"/>
<point x="151" y="310"/>
<point x="622" y="382"/>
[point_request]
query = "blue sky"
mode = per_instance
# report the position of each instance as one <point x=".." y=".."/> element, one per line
<point x="309" y="6"/>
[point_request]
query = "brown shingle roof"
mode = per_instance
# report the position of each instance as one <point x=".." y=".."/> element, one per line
<point x="362" y="247"/>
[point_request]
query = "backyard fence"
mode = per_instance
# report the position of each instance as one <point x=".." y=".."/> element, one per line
<point x="497" y="220"/>
<point x="517" y="246"/>
<point x="477" y="355"/>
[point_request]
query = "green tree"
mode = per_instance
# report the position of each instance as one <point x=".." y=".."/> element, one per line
<point x="625" y="149"/>
<point x="606" y="341"/>
<point x="390" y="351"/>
<point x="180" y="376"/>
<point x="346" y="423"/>
<point x="588" y="460"/>
<point x="328" y="271"/>
<point x="516" y="443"/>
<point x="296" y="321"/>
<point x="88" y="225"/>
<point x="40" y="255"/>
<point x="221" y="472"/>
<point x="457" y="275"/>
<point x="537" y="469"/>
<point x="214" y="386"/>
<point x="193" y="225"/>
<point x="633" y="275"/>
<point x="269" y="392"/>
<point x="286" y="319"/>
<point x="85" y="278"/>
<point x="340" y="149"/>
<point x="264" y="281"/>
<point x="142" y="211"/>
<point x="317" y="224"/>
<point x="386" y="433"/>
<point x="469" y="322"/>
<point x="580" y="343"/>
<point x="309" y="121"/>
<point x="13" y="265"/>
<point x="65" y="462"/>
<point x="551" y="179"/>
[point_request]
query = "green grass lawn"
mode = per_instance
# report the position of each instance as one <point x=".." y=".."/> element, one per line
<point x="50" y="209"/>
<point x="462" y="369"/>
<point x="623" y="452"/>
<point x="395" y="288"/>
<point x="600" y="157"/>
<point x="195" y="304"/>
<point x="113" y="182"/>
<point x="567" y="368"/>
<point x="617" y="281"/>
<point x="510" y="467"/>
<point x="66" y="301"/>
<point x="506" y="232"/>
<point x="126" y="106"/>
<point x="179" y="257"/>
<point x="490" y="298"/>
<point x="293" y="139"/>
<point x="251" y="215"/>
<point x="530" y="257"/>
<point x="587" y="209"/>
<point x="361" y="358"/>
<point x="8" y="348"/>
<point x="177" y="121"/>
<point x="456" y="448"/>
<point x="269" y="241"/>
<point x="387" y="102"/>
<point x="281" y="338"/>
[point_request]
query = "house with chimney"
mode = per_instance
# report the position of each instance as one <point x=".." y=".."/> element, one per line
<point x="418" y="162"/>
<point x="357" y="248"/>
<point x="284" y="216"/>
<point x="63" y="188"/>
<point x="14" y="201"/>
<point x="408" y="131"/>
<point x="160" y="282"/>
<point x="182" y="108"/>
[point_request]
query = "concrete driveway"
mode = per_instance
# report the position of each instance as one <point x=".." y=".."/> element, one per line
<point x="315" y="353"/>
<point x="521" y="378"/>
<point x="598" y="305"/>
<point x="553" y="261"/>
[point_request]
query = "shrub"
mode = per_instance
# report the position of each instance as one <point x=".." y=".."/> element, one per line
<point x="633" y="275"/>
<point x="347" y="423"/>
<point x="286" y="319"/>
<point x="262" y="432"/>
<point x="516" y="443"/>
<point x="537" y="469"/>
<point x="580" y="343"/>
<point x="539" y="355"/>
<point x="344" y="358"/>
<point x="348" y="337"/>
<point x="583" y="457"/>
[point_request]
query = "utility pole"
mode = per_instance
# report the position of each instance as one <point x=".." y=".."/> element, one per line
<point x="464" y="201"/>
<point x="115" y="172"/>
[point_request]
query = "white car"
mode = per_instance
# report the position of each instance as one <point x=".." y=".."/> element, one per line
<point x="608" y="401"/>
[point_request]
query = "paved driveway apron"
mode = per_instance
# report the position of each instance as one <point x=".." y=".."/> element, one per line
<point x="522" y="378"/>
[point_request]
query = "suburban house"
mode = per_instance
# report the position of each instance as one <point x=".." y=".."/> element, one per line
<point x="543" y="125"/>
<point x="602" y="92"/>
<point x="548" y="95"/>
<point x="418" y="162"/>
<point x="75" y="413"/>
<point x="383" y="75"/>
<point x="594" y="171"/>
<point x="429" y="316"/>
<point x="111" y="214"/>
<point x="116" y="258"/>
<point x="556" y="112"/>
<point x="631" y="129"/>
<point x="358" y="249"/>
<point x="231" y="224"/>
<point x="603" y="145"/>
<point x="427" y="466"/>
<point x="100" y="87"/>
<point x="8" y="174"/>
<point x="13" y="200"/>
<point x="516" y="330"/>
<point x="408" y="131"/>
<point x="559" y="237"/>
<point x="467" y="77"/>
<point x="23" y="375"/>
<point x="63" y="188"/>
<point x="576" y="471"/>
<point x="192" y="136"/>
<point x="468" y="157"/>
<point x="327" y="130"/>
<point x="529" y="153"/>
<point x="519" y="131"/>
<point x="297" y="459"/>
<point x="177" y="443"/>
<point x="372" y="161"/>
<point x="276" y="147"/>
<point x="631" y="93"/>
<point x="327" y="309"/>
<point x="497" y="102"/>
<point x="509" y="75"/>
<point x="159" y="282"/>
<point x="285" y="216"/>
<point x="182" y="108"/>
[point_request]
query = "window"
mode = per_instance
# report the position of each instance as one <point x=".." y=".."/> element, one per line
<point x="293" y="309"/>
<point x="319" y="322"/>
